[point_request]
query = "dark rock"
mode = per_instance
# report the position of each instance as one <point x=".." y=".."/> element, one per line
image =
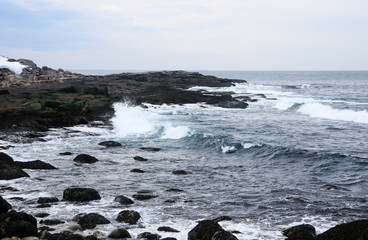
<point x="85" y="158"/>
<point x="148" y="235"/>
<point x="17" y="224"/>
<point x="66" y="153"/>
<point x="169" y="201"/>
<point x="41" y="215"/>
<point x="37" y="164"/>
<point x="204" y="230"/>
<point x="222" y="218"/>
<point x="51" y="222"/>
<point x="4" y="205"/>
<point x="109" y="144"/>
<point x="119" y="233"/>
<point x="123" y="200"/>
<point x="223" y="236"/>
<point x="47" y="200"/>
<point x="81" y="194"/>
<point x="181" y="172"/>
<point x="8" y="172"/>
<point x="5" y="158"/>
<point x="303" y="232"/>
<point x="150" y="149"/>
<point x="128" y="216"/>
<point x="90" y="237"/>
<point x="168" y="238"/>
<point x="65" y="236"/>
<point x="143" y="197"/>
<point x="357" y="230"/>
<point x="142" y="159"/>
<point x="89" y="221"/>
<point x="233" y="104"/>
<point x="136" y="170"/>
<point x="174" y="190"/>
<point x="43" y="205"/>
<point x="4" y="92"/>
<point x="167" y="229"/>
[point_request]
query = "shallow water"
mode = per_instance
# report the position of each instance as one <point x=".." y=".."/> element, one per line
<point x="297" y="155"/>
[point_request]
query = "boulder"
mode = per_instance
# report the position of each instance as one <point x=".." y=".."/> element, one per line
<point x="137" y="170"/>
<point x="109" y="144"/>
<point x="66" y="153"/>
<point x="204" y="230"/>
<point x="119" y="233"/>
<point x="357" y="230"/>
<point x="89" y="221"/>
<point x="128" y="216"/>
<point x="150" y="149"/>
<point x="37" y="164"/>
<point x="8" y="172"/>
<point x="143" y="197"/>
<point x="167" y="229"/>
<point x="51" y="222"/>
<point x="47" y="200"/>
<point x="180" y="172"/>
<point x="65" y="236"/>
<point x="148" y="235"/>
<point x="4" y="206"/>
<point x="303" y="232"/>
<point x="5" y="158"/>
<point x="224" y="236"/>
<point x="141" y="159"/>
<point x="80" y="194"/>
<point x="85" y="158"/>
<point x="123" y="200"/>
<point x="17" y="224"/>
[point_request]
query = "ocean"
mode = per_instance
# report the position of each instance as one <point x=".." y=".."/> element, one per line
<point x="297" y="154"/>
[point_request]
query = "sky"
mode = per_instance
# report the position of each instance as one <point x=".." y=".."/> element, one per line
<point x="187" y="34"/>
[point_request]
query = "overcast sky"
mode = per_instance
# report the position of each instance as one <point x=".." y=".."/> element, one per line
<point x="187" y="34"/>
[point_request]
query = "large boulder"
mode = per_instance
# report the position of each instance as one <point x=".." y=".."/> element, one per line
<point x="37" y="164"/>
<point x="4" y="205"/>
<point x="204" y="230"/>
<point x="300" y="232"/>
<point x="85" y="158"/>
<point x="128" y="216"/>
<point x="8" y="172"/>
<point x="89" y="221"/>
<point x="81" y="194"/>
<point x="123" y="200"/>
<point x="357" y="230"/>
<point x="17" y="224"/>
<point x="224" y="236"/>
<point x="119" y="233"/>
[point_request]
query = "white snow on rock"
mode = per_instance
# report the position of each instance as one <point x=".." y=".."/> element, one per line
<point x="15" y="67"/>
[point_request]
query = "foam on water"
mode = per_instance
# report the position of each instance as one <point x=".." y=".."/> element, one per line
<point x="318" y="110"/>
<point x="136" y="121"/>
<point x="15" y="67"/>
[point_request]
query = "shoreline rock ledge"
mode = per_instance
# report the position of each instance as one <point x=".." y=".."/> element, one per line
<point x="39" y="98"/>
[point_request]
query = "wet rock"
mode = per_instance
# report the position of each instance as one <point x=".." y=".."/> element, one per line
<point x="47" y="200"/>
<point x="90" y="237"/>
<point x="41" y="215"/>
<point x="5" y="158"/>
<point x="17" y="224"/>
<point x="8" y="172"/>
<point x="181" y="172"/>
<point x="232" y="104"/>
<point x="89" y="221"/>
<point x="119" y="233"/>
<point x="4" y="205"/>
<point x="110" y="144"/>
<point x="66" y="153"/>
<point x="223" y="236"/>
<point x="204" y="230"/>
<point x="222" y="218"/>
<point x="169" y="201"/>
<point x="174" y="190"/>
<point x="123" y="200"/>
<point x="44" y="205"/>
<point x="167" y="229"/>
<point x="4" y="92"/>
<point x="357" y="230"/>
<point x="51" y="222"/>
<point x="148" y="235"/>
<point x="150" y="149"/>
<point x="80" y="194"/>
<point x="303" y="232"/>
<point x="168" y="238"/>
<point x="143" y="197"/>
<point x="141" y="159"/>
<point x="333" y="187"/>
<point x="137" y="170"/>
<point x="65" y="236"/>
<point x="34" y="165"/>
<point x="85" y="158"/>
<point x="128" y="216"/>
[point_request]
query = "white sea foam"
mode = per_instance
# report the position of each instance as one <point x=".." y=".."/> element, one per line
<point x="318" y="110"/>
<point x="15" y="67"/>
<point x="136" y="121"/>
<point x="228" y="149"/>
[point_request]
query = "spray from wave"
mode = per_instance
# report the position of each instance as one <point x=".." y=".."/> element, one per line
<point x="136" y="121"/>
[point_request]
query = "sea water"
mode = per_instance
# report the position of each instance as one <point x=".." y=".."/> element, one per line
<point x="299" y="154"/>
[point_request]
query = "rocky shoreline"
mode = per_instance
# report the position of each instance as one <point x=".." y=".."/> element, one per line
<point x="43" y="98"/>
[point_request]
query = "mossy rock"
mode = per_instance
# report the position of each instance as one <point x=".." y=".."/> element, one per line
<point x="36" y="106"/>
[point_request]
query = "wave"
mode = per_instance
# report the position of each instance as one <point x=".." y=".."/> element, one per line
<point x="318" y="110"/>
<point x="136" y="121"/>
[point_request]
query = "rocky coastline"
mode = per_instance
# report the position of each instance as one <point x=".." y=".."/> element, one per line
<point x="43" y="98"/>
